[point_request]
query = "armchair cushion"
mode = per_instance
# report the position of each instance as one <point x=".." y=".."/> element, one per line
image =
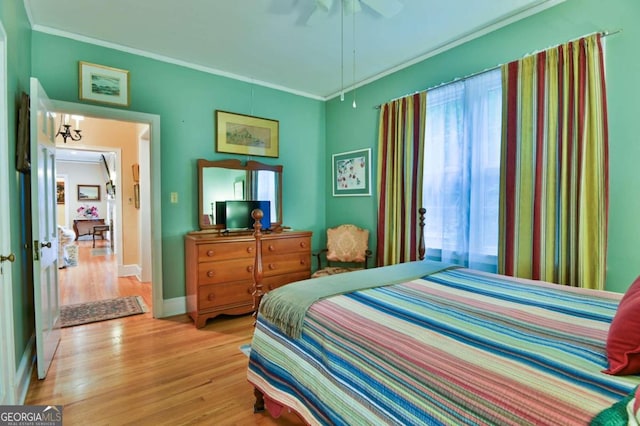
<point x="347" y="243"/>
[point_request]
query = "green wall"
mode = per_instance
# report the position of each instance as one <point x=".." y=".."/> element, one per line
<point x="185" y="100"/>
<point x="18" y="31"/>
<point x="349" y="129"/>
<point x="311" y="131"/>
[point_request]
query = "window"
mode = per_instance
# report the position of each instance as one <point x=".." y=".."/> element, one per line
<point x="462" y="171"/>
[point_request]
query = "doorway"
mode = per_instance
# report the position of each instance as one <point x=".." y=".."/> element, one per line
<point x="89" y="264"/>
<point x="152" y="167"/>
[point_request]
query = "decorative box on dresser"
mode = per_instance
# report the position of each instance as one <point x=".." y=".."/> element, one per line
<point x="219" y="269"/>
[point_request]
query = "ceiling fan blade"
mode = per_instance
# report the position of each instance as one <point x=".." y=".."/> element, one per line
<point x="386" y="8"/>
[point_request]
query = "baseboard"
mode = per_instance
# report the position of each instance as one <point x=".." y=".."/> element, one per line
<point x="129" y="270"/>
<point x="25" y="369"/>
<point x="175" y="306"/>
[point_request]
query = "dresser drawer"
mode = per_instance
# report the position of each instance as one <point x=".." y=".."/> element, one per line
<point x="225" y="295"/>
<point x="286" y="245"/>
<point x="224" y="250"/>
<point x="286" y="263"/>
<point x="271" y="283"/>
<point x="221" y="272"/>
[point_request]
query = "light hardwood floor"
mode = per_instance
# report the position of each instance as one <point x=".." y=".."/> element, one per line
<point x="145" y="371"/>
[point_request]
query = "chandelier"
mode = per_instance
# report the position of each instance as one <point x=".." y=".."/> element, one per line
<point x="64" y="130"/>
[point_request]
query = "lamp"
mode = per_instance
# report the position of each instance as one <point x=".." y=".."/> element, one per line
<point x="66" y="132"/>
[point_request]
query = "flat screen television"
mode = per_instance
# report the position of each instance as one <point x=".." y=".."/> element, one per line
<point x="236" y="214"/>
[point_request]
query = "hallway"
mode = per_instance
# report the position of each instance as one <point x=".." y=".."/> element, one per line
<point x="96" y="277"/>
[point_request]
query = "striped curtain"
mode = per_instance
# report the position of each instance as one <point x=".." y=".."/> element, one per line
<point x="554" y="166"/>
<point x="400" y="165"/>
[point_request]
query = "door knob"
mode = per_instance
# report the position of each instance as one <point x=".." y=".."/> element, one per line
<point x="11" y="258"/>
<point x="47" y="244"/>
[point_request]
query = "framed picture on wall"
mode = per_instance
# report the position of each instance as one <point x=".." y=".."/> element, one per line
<point x="105" y="85"/>
<point x="244" y="134"/>
<point x="88" y="192"/>
<point x="60" y="192"/>
<point x="352" y="173"/>
<point x="136" y="195"/>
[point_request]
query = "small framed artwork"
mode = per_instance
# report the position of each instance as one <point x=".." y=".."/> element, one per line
<point x="135" y="168"/>
<point x="88" y="192"/>
<point x="352" y="173"/>
<point x="60" y="192"/>
<point x="106" y="85"/>
<point x="244" y="134"/>
<point x="136" y="195"/>
<point x="110" y="190"/>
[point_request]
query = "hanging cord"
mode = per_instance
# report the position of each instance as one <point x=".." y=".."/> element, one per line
<point x="342" y="53"/>
<point x="353" y="13"/>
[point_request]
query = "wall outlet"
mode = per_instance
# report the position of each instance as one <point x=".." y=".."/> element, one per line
<point x="174" y="198"/>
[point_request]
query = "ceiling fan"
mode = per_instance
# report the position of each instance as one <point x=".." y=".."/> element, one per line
<point x="384" y="8"/>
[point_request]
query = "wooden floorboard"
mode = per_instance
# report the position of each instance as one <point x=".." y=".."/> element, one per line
<point x="145" y="371"/>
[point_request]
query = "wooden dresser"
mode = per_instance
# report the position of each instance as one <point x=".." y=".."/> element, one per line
<point x="219" y="269"/>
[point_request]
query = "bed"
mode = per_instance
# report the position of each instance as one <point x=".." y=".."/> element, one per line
<point x="427" y="343"/>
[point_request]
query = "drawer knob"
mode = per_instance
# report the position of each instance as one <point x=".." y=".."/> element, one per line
<point x="209" y="253"/>
<point x="303" y="262"/>
<point x="272" y="247"/>
<point x="303" y="244"/>
<point x="211" y="297"/>
<point x="249" y="249"/>
<point x="249" y="268"/>
<point x="272" y="266"/>
<point x="210" y="274"/>
<point x="270" y="287"/>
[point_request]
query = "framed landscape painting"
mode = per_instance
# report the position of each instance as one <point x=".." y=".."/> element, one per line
<point x="106" y="85"/>
<point x="352" y="173"/>
<point x="244" y="134"/>
<point x="88" y="192"/>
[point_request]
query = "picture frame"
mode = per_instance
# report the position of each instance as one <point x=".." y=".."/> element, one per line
<point x="102" y="84"/>
<point x="351" y="173"/>
<point x="60" y="192"/>
<point x="245" y="134"/>
<point x="88" y="192"/>
<point x="136" y="195"/>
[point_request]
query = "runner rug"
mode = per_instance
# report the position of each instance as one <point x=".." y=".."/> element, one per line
<point x="102" y="310"/>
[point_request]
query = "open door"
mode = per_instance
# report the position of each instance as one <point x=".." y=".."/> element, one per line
<point x="44" y="230"/>
<point x="7" y="357"/>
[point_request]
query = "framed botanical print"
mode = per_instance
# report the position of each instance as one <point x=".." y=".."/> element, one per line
<point x="352" y="173"/>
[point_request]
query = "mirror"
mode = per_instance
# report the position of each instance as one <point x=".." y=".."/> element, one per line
<point x="230" y="180"/>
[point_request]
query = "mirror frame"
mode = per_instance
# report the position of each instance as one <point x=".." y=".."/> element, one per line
<point x="237" y="165"/>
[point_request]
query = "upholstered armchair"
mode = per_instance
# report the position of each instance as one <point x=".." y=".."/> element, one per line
<point x="348" y="246"/>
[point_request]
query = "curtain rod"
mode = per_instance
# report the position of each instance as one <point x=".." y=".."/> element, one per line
<point x="603" y="33"/>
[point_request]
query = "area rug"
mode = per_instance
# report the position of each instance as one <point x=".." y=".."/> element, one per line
<point x="100" y="251"/>
<point x="246" y="349"/>
<point x="102" y="310"/>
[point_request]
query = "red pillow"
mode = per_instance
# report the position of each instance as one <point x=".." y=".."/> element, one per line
<point x="623" y="340"/>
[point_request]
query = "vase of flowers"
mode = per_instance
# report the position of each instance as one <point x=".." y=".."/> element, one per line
<point x="88" y="212"/>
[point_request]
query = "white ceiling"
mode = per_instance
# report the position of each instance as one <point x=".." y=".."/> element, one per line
<point x="272" y="42"/>
<point x="80" y="156"/>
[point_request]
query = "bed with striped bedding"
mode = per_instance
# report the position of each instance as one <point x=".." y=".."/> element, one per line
<point x="454" y="347"/>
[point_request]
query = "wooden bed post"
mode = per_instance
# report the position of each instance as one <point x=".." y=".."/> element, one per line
<point x="256" y="292"/>
<point x="421" y="248"/>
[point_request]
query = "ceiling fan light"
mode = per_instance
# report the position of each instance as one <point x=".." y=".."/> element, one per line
<point x="351" y="6"/>
<point x="324" y="5"/>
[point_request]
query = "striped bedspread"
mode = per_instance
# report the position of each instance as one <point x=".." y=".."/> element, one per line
<point x="458" y="347"/>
